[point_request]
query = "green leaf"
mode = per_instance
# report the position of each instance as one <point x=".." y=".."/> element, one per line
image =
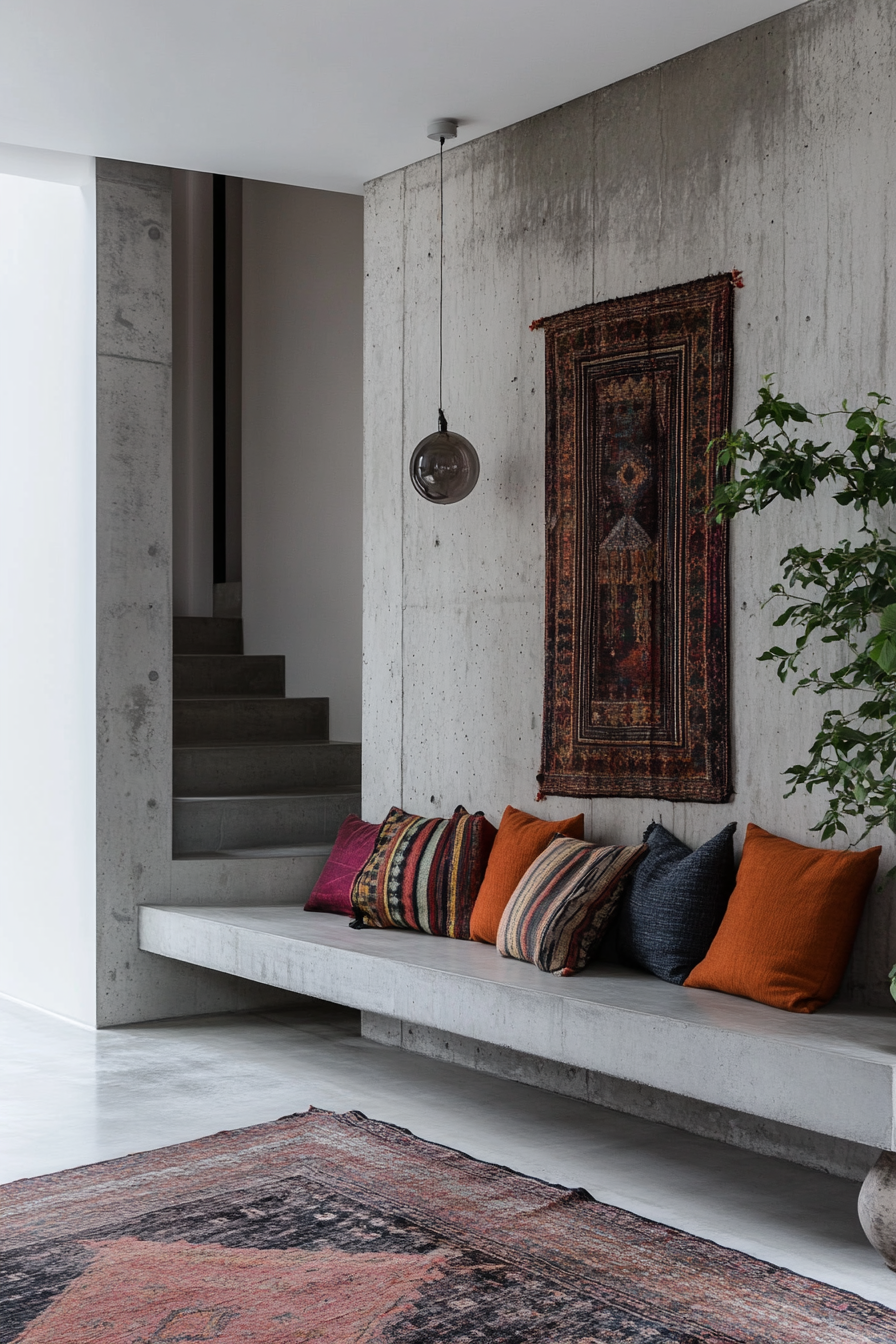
<point x="882" y="650"/>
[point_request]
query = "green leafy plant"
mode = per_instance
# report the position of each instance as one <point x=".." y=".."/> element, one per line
<point x="845" y="595"/>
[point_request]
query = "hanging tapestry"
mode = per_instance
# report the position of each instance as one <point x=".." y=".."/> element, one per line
<point x="636" y="659"/>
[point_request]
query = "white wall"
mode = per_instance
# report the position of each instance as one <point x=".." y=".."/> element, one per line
<point x="47" y="589"/>
<point x="301" y="458"/>
<point x="765" y="151"/>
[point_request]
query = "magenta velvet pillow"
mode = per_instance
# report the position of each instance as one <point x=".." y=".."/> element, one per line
<point x="354" y="846"/>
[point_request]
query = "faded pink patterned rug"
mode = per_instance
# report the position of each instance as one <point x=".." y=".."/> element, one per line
<point x="342" y="1229"/>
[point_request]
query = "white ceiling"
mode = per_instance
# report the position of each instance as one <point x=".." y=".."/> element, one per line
<point x="323" y="93"/>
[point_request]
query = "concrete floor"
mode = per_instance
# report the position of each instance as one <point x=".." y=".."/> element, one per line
<point x="71" y="1096"/>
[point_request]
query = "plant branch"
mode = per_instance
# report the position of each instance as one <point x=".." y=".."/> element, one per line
<point x="842" y="595"/>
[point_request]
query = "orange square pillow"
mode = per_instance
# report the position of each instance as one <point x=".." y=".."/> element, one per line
<point x="790" y="923"/>
<point x="519" y="842"/>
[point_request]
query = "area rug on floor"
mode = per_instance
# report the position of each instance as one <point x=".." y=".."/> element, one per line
<point x="346" y="1230"/>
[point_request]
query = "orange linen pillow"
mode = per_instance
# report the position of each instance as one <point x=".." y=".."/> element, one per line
<point x="520" y="840"/>
<point x="790" y="923"/>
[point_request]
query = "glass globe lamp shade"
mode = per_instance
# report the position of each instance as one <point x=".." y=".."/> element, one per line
<point x="444" y="467"/>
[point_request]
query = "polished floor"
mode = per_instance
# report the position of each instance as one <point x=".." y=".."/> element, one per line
<point x="70" y="1096"/>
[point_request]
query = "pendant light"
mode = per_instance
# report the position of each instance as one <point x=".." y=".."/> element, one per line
<point x="444" y="466"/>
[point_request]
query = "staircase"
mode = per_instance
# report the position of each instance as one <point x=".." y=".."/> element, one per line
<point x="255" y="774"/>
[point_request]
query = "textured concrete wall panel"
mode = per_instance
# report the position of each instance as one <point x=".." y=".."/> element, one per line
<point x="134" y="605"/>
<point x="772" y="151"/>
<point x="384" y="466"/>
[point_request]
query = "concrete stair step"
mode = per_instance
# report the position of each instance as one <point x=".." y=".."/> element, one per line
<point x="297" y="851"/>
<point x="266" y="767"/>
<point x="262" y="874"/>
<point x="209" y="827"/>
<point x="224" y="720"/>
<point x="207" y="634"/>
<point x="229" y="674"/>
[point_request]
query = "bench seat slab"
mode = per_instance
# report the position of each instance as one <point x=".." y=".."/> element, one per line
<point x="831" y="1071"/>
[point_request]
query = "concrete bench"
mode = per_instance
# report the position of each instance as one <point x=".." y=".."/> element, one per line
<point x="832" y="1073"/>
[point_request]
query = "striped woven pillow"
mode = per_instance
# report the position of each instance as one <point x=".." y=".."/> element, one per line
<point x="563" y="904"/>
<point x="424" y="873"/>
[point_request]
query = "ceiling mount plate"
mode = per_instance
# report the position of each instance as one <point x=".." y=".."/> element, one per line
<point x="443" y="128"/>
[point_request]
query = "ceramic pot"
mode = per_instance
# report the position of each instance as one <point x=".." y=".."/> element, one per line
<point x="877" y="1207"/>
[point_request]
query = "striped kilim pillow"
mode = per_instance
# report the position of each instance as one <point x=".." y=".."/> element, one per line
<point x="424" y="873"/>
<point x="564" y="902"/>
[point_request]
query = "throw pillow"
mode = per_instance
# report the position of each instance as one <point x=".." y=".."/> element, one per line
<point x="564" y="902"/>
<point x="424" y="873"/>
<point x="674" y="903"/>
<point x="790" y="924"/>
<point x="354" y="845"/>
<point x="520" y="840"/>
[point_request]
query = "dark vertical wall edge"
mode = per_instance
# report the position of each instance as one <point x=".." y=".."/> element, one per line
<point x="219" y="377"/>
<point x="234" y="379"/>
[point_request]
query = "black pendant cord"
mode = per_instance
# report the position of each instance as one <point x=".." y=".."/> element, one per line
<point x="443" y="423"/>
<point x="444" y="467"/>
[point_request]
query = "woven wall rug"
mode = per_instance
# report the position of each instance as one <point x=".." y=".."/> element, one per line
<point x="345" y="1230"/>
<point x="636" y="632"/>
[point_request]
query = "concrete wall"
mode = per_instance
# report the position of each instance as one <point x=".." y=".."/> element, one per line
<point x="772" y="151"/>
<point x="47" y="674"/>
<point x="133" y="613"/>
<point x="301" y="458"/>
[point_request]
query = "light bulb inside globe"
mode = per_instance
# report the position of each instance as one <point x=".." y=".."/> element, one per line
<point x="444" y="466"/>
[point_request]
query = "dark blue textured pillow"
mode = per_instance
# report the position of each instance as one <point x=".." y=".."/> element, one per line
<point x="675" y="902"/>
